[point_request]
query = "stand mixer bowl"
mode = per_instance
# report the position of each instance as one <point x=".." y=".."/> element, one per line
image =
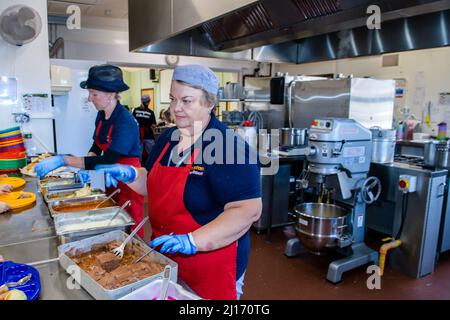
<point x="320" y="225"/>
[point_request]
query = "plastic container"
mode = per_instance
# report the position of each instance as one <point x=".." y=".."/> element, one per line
<point x="29" y="144"/>
<point x="401" y="131"/>
<point x="12" y="272"/>
<point x="9" y="131"/>
<point x="442" y="131"/>
<point x="151" y="292"/>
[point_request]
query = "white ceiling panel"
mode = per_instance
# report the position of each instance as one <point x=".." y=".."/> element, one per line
<point x="96" y="8"/>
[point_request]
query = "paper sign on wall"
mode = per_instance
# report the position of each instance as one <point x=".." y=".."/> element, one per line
<point x="419" y="88"/>
<point x="37" y="103"/>
<point x="444" y="98"/>
<point x="85" y="105"/>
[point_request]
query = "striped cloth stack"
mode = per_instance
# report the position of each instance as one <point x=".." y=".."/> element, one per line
<point x="12" y="151"/>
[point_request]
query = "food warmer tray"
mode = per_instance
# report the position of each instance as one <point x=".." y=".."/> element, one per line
<point x="82" y="224"/>
<point x="53" y="196"/>
<point x="92" y="286"/>
<point x="53" y="204"/>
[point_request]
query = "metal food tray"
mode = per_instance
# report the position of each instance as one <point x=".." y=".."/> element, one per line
<point x="92" y="286"/>
<point x="59" y="185"/>
<point x="53" y="204"/>
<point x="56" y="181"/>
<point x="78" y="225"/>
<point x="63" y="195"/>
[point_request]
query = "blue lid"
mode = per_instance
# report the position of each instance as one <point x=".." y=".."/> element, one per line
<point x="12" y="272"/>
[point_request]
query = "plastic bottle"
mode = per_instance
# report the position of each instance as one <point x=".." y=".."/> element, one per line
<point x="30" y="147"/>
<point x="400" y="131"/>
<point x="442" y="131"/>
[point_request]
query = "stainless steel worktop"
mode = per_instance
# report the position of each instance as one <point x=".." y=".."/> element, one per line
<point x="29" y="237"/>
<point x="30" y="224"/>
<point x="414" y="218"/>
<point x="412" y="143"/>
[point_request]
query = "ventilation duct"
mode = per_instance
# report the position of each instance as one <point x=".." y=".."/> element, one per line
<point x="292" y="31"/>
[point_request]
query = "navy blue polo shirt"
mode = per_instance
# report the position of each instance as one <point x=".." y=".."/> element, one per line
<point x="125" y="133"/>
<point x="215" y="180"/>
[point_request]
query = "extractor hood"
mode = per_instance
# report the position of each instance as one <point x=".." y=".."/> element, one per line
<point x="282" y="30"/>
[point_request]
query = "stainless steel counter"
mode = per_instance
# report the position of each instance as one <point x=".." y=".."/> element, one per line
<point x="29" y="224"/>
<point x="28" y="236"/>
<point x="414" y="217"/>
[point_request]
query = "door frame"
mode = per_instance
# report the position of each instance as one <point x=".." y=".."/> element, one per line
<point x="151" y="93"/>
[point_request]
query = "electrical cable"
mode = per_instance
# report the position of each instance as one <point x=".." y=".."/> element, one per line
<point x="404" y="211"/>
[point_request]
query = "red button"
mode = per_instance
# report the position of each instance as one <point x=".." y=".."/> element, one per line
<point x="402" y="184"/>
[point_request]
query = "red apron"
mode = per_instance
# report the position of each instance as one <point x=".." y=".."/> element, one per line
<point x="136" y="208"/>
<point x="212" y="274"/>
<point x="141" y="134"/>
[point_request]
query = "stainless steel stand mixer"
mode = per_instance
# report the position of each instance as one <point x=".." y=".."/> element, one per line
<point x="339" y="155"/>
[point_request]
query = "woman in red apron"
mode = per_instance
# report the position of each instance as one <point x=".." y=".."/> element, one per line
<point x="200" y="213"/>
<point x="116" y="137"/>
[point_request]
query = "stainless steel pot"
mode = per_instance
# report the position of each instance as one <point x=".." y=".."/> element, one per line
<point x="267" y="142"/>
<point x="233" y="91"/>
<point x="442" y="155"/>
<point x="429" y="153"/>
<point x="383" y="145"/>
<point x="320" y="225"/>
<point x="292" y="137"/>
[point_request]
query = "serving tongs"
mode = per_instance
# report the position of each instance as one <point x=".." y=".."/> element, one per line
<point x="119" y="251"/>
<point x="147" y="253"/>
<point x="109" y="197"/>
<point x="143" y="256"/>
<point x="165" y="283"/>
<point x="5" y="287"/>
<point x="127" y="203"/>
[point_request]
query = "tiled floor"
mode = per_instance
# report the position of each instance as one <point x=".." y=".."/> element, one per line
<point x="272" y="275"/>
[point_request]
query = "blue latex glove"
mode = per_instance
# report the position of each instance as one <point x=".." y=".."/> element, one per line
<point x="117" y="172"/>
<point x="83" y="175"/>
<point x="48" y="165"/>
<point x="183" y="243"/>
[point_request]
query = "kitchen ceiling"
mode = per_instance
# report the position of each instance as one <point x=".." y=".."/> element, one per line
<point x="293" y="31"/>
<point x="92" y="8"/>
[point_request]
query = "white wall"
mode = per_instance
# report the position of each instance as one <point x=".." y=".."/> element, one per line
<point x="74" y="119"/>
<point x="107" y="40"/>
<point x="434" y="63"/>
<point x="30" y="65"/>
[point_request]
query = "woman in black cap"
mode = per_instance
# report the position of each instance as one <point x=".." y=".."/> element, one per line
<point x="116" y="136"/>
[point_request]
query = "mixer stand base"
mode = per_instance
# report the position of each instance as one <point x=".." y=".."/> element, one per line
<point x="361" y="255"/>
<point x="293" y="247"/>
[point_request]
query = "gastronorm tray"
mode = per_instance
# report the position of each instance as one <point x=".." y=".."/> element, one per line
<point x="92" y="286"/>
<point x="52" y="205"/>
<point x="52" y="196"/>
<point x="55" y="181"/>
<point x="60" y="187"/>
<point x="74" y="226"/>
